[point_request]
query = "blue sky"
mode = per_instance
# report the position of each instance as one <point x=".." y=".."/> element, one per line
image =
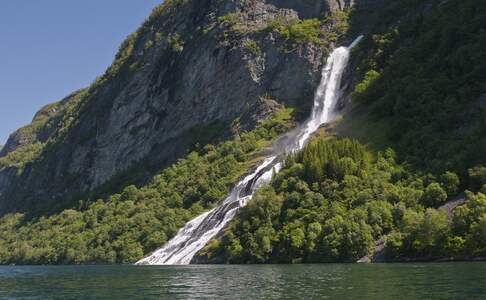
<point x="50" y="48"/>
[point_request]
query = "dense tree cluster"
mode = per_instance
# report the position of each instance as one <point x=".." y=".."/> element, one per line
<point x="333" y="200"/>
<point x="424" y="71"/>
<point x="125" y="226"/>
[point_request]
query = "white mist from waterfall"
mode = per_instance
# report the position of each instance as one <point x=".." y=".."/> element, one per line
<point x="181" y="249"/>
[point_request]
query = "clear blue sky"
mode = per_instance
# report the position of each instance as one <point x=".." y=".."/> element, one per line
<point x="49" y="48"/>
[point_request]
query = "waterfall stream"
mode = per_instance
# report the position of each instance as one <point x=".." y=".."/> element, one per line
<point x="181" y="249"/>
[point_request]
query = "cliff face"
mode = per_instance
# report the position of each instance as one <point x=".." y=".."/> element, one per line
<point x="194" y="67"/>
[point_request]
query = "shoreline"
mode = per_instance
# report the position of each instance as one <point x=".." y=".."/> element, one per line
<point x="399" y="261"/>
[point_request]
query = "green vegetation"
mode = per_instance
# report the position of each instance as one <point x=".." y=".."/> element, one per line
<point x="35" y="136"/>
<point x="298" y="32"/>
<point x="252" y="47"/>
<point x="316" y="31"/>
<point x="21" y="156"/>
<point x="231" y="20"/>
<point x="176" y="43"/>
<point x="425" y="75"/>
<point x="125" y="61"/>
<point x="53" y="122"/>
<point x="421" y="92"/>
<point x="364" y="86"/>
<point x="233" y="27"/>
<point x="338" y="24"/>
<point x="125" y="226"/>
<point x="333" y="200"/>
<point x="295" y="32"/>
<point x="433" y="234"/>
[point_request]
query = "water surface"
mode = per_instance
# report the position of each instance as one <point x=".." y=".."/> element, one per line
<point x="332" y="281"/>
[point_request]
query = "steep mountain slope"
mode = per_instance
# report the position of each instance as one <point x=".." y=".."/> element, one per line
<point x="199" y="72"/>
<point x="194" y="72"/>
<point x="423" y="72"/>
<point x="416" y="84"/>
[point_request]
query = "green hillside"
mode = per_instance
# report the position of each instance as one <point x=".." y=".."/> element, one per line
<point x="400" y="176"/>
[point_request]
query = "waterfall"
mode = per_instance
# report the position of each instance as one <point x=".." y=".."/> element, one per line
<point x="181" y="249"/>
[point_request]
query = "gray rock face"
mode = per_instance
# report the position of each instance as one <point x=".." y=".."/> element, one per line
<point x="144" y="114"/>
<point x="317" y="8"/>
<point x="305" y="9"/>
<point x="6" y="176"/>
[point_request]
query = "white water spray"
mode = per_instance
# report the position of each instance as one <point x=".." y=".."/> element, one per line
<point x="197" y="233"/>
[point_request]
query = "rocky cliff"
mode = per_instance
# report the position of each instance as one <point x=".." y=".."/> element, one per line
<point x="194" y="71"/>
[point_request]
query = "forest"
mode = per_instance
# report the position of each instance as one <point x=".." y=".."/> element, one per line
<point x="422" y="80"/>
<point x="419" y="72"/>
<point x="425" y="75"/>
<point x="335" y="199"/>
<point x="122" y="227"/>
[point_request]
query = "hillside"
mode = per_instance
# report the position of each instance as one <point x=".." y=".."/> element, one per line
<point x="422" y="75"/>
<point x="416" y="90"/>
<point x="193" y="73"/>
<point x="230" y="74"/>
<point x="196" y="98"/>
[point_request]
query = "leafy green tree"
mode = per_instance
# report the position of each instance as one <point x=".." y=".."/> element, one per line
<point x="455" y="246"/>
<point x="125" y="226"/>
<point x="432" y="233"/>
<point x="477" y="176"/>
<point x="394" y="245"/>
<point x="476" y="240"/>
<point x="450" y="183"/>
<point x="434" y="195"/>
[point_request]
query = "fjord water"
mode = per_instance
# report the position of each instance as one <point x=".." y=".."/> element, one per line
<point x="181" y="249"/>
<point x="333" y="281"/>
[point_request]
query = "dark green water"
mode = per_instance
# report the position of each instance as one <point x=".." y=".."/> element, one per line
<point x="335" y="281"/>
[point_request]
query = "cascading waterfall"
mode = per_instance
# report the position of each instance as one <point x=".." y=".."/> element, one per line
<point x="197" y="233"/>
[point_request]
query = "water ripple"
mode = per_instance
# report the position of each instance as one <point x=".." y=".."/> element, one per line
<point x="333" y="281"/>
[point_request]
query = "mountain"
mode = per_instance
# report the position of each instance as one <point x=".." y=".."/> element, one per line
<point x="182" y="78"/>
<point x="417" y="85"/>
<point x="196" y="98"/>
